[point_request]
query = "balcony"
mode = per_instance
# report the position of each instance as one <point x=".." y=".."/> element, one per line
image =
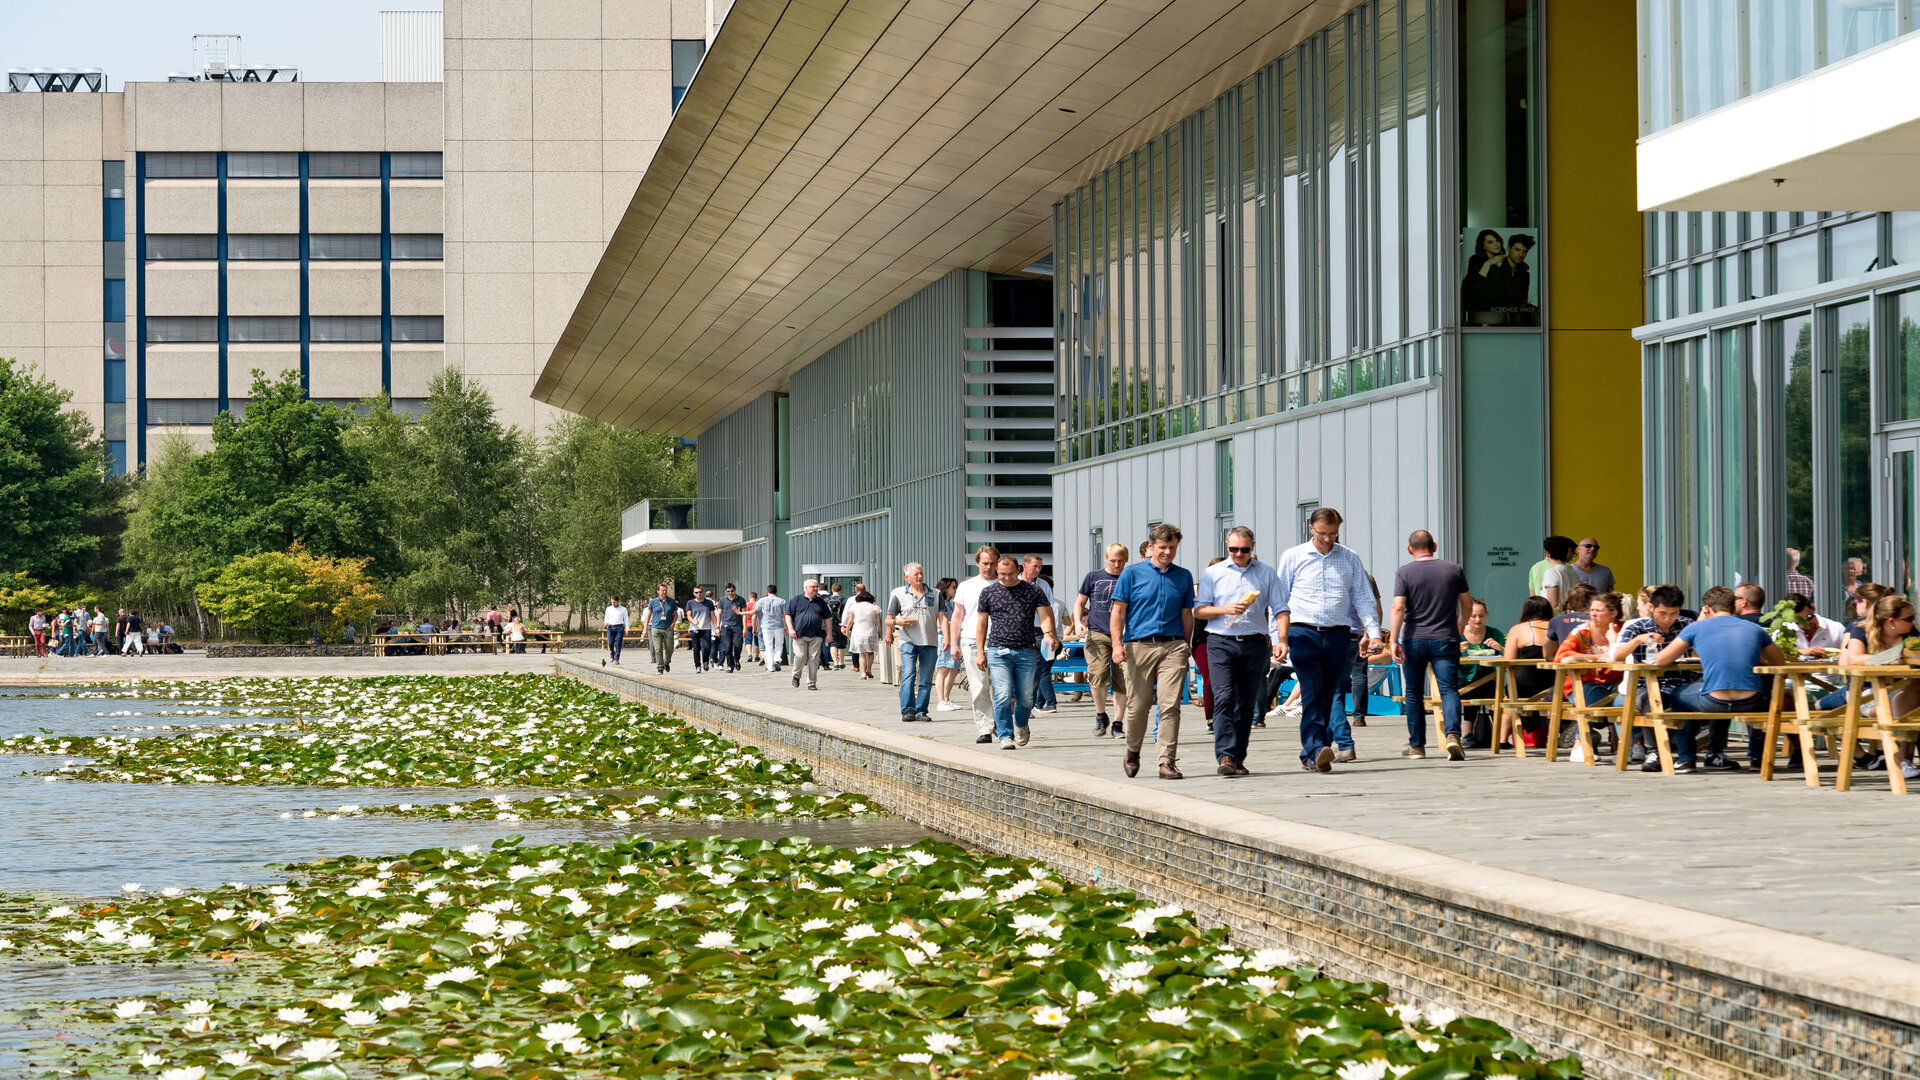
<point x="672" y="523"/>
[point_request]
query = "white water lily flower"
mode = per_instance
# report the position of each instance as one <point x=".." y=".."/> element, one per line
<point x="365" y="958"/>
<point x="1306" y="1033"/>
<point x="836" y="974"/>
<point x="579" y="907"/>
<point x="1370" y="1069"/>
<point x="309" y="938"/>
<point x="914" y="1059"/>
<point x="1136" y="969"/>
<point x="1426" y="1045"/>
<point x="130" y="887"/>
<point x="511" y="931"/>
<point x="636" y="981"/>
<point x="199" y="1025"/>
<point x="480" y="924"/>
<point x="800" y="995"/>
<point x="59" y="911"/>
<point x="815" y="924"/>
<point x="439" y="897"/>
<point x="735" y="908"/>
<point x="715" y="939"/>
<point x="668" y="900"/>
<point x="1268" y="959"/>
<point x="318" y="1050"/>
<point x="1440" y="1016"/>
<point x="812" y="1024"/>
<point x="878" y="982"/>
<point x="558" y="1032"/>
<point x="1263" y="983"/>
<point x="1055" y="1074"/>
<point x="127" y="1010"/>
<point x="971" y="892"/>
<point x="621" y="941"/>
<point x="555" y="986"/>
<point x="1177" y="1015"/>
<point x="150" y="1059"/>
<point x="291" y="1015"/>
<point x="272" y="1040"/>
<point x="342" y="1000"/>
<point x="189" y="1072"/>
<point x="614" y="888"/>
<point x="359" y="1017"/>
<point x="235" y="1058"/>
<point x="858" y="932"/>
<point x="1039" y="950"/>
<point x="1141" y="923"/>
<point x="197" y="1007"/>
<point x="139" y="941"/>
<point x="942" y="1042"/>
<point x="489" y="1060"/>
<point x="1050" y="1016"/>
<point x="396" y="1002"/>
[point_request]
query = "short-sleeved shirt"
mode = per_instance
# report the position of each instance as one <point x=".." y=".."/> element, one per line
<point x="730" y="609"/>
<point x="1432" y="588"/>
<point x="1600" y="577"/>
<point x="1672" y="677"/>
<point x="966" y="601"/>
<point x="771" y="610"/>
<point x="1561" y="627"/>
<point x="1046" y="590"/>
<point x="1559" y="575"/>
<point x="700" y="614"/>
<point x="1154" y="598"/>
<point x="925" y="609"/>
<point x="1097" y="587"/>
<point x="660" y="613"/>
<point x="811" y="617"/>
<point x="1728" y="650"/>
<point x="1011" y="614"/>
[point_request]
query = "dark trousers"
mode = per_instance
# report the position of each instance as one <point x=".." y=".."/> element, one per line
<point x="1443" y="655"/>
<point x="1320" y="662"/>
<point x="1270" y="693"/>
<point x="730" y="647"/>
<point x="1043" y="685"/>
<point x="1695" y="699"/>
<point x="1237" y="668"/>
<point x="616" y="635"/>
<point x="702" y="649"/>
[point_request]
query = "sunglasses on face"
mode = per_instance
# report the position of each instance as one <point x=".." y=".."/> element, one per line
<point x="1239" y="551"/>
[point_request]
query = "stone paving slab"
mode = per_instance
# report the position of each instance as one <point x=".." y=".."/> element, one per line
<point x="1842" y="867"/>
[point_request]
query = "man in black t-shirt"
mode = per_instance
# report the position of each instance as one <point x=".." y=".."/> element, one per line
<point x="1007" y="641"/>
<point x="1092" y="611"/>
<point x="732" y="629"/>
<point x="134" y="643"/>
<point x="836" y="603"/>
<point x="809" y="619"/>
<point x="1429" y="613"/>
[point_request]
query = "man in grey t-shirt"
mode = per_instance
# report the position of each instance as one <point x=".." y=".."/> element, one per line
<point x="1590" y="570"/>
<point x="914" y="611"/>
<point x="1430" y="605"/>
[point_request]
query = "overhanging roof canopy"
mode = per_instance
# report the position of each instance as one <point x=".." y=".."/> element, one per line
<point x="833" y="157"/>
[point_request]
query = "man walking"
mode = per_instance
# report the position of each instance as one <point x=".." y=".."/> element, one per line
<point x="1236" y="598"/>
<point x="616" y="618"/>
<point x="915" y="611"/>
<point x="1318" y="582"/>
<point x="702" y="617"/>
<point x="1151" y="625"/>
<point x="809" y="620"/>
<point x="961" y="640"/>
<point x="836" y="603"/>
<point x="1005" y="634"/>
<point x="771" y="613"/>
<point x="37" y="626"/>
<point x="662" y="613"/>
<point x="731" y="626"/>
<point x="1430" y="609"/>
<point x="136" y="642"/>
<point x="1043" y="698"/>
<point x="99" y="628"/>
<point x="1093" y="618"/>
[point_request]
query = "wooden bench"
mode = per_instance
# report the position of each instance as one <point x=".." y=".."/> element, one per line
<point x="1891" y="728"/>
<point x="16" y="644"/>
<point x="1664" y="721"/>
<point x="1806" y="722"/>
<point x="1508" y="699"/>
<point x="1584" y="716"/>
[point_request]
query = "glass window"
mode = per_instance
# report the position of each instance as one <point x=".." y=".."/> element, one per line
<point x="248" y="164"/>
<point x="416" y="245"/>
<point x="1906" y="238"/>
<point x="419" y="328"/>
<point x="1779" y="42"/>
<point x="172" y="328"/>
<point x="113" y="179"/>
<point x="1796" y="264"/>
<point x="1904" y="395"/>
<point x="414" y="165"/>
<point x="351" y="328"/>
<point x="1733" y="412"/>
<point x="1390" y="198"/>
<point x="344" y="246"/>
<point x="1421" y="284"/>
<point x="1855" y="248"/>
<point x="203" y="247"/>
<point x="1656" y="64"/>
<point x="685" y="57"/>
<point x="1793" y="350"/>
<point x="1499" y="161"/>
<point x="1851" y="347"/>
<point x="1854" y="26"/>
<point x="280" y="246"/>
<point x="168" y="412"/>
<point x="1338" y="197"/>
<point x="115" y="418"/>
<point x="252" y="328"/>
<point x="114" y="310"/>
<point x="1756" y="277"/>
<point x="114" y="220"/>
<point x="181" y="165"/>
<point x="333" y="166"/>
<point x="116" y="373"/>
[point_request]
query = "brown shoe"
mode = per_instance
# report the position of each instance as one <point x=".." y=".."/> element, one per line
<point x="1414" y="752"/>
<point x="1240" y="769"/>
<point x="1359" y="721"/>
<point x="1171" y="772"/>
<point x="1345" y="756"/>
<point x="1454" y="750"/>
<point x="1227" y="767"/>
<point x="1131" y="763"/>
<point x="1323" y="761"/>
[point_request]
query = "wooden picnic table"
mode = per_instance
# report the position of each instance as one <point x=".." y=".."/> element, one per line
<point x="1879" y="680"/>
<point x="1508" y="699"/>
<point x="16" y="644"/>
<point x="1807" y="721"/>
<point x="1584" y="715"/>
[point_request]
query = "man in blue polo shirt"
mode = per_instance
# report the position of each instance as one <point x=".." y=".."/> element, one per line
<point x="1152" y="625"/>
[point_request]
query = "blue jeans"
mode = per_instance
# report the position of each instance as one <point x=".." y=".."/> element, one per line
<point x="1322" y="661"/>
<point x="1043" y="685"/>
<point x="615" y="636"/>
<point x="916" y="677"/>
<point x="702" y="648"/>
<point x="727" y="648"/>
<point x="1694" y="698"/>
<point x="1443" y="655"/>
<point x="1013" y="672"/>
<point x="1338" y="728"/>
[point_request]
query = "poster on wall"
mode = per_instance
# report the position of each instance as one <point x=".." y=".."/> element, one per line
<point x="1498" y="288"/>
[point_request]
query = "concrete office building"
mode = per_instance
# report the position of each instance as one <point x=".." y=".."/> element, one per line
<point x="159" y="243"/>
<point x="1249" y="231"/>
<point x="1781" y="342"/>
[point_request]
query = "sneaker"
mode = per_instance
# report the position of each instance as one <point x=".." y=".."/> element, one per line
<point x="984" y="739"/>
<point x="1455" y="752"/>
<point x="1909" y="770"/>
<point x="1047" y="711"/>
<point x="946" y="706"/>
<point x="1579" y="754"/>
<point x="906" y="718"/>
<point x="1346" y="755"/>
<point x="813" y="686"/>
<point x="1100" y="725"/>
<point x="1290" y="710"/>
<point x="1720" y="763"/>
<point x="1651" y="763"/>
<point x="1022" y="735"/>
<point x="1876" y="763"/>
<point x="1414" y="752"/>
<point x="1323" y="761"/>
<point x="1636" y="754"/>
<point x="1006" y="744"/>
<point x="1681" y="768"/>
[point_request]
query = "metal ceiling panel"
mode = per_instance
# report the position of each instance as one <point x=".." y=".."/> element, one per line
<point x="833" y="157"/>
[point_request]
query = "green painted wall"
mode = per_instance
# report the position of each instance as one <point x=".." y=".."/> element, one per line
<point x="1503" y="466"/>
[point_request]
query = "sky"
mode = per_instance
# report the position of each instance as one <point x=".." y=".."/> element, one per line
<point x="143" y="40"/>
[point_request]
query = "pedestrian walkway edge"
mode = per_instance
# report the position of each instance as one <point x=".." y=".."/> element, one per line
<point x="1637" y="988"/>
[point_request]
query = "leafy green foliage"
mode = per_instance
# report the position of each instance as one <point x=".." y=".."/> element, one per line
<point x="53" y="481"/>
<point x="591" y="472"/>
<point x="670" y="805"/>
<point x="21" y="596"/>
<point x="160" y="565"/>
<point x="288" y="596"/>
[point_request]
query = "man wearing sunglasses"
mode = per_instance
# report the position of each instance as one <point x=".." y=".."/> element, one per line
<point x="1236" y="597"/>
<point x="1591" y="572"/>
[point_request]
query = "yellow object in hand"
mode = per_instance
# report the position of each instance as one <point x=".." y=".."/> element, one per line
<point x="1250" y="597"/>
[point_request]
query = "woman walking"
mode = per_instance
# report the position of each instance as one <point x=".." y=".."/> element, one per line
<point x="862" y="624"/>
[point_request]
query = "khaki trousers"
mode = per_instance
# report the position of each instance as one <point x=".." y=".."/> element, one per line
<point x="979" y="690"/>
<point x="1156" y="674"/>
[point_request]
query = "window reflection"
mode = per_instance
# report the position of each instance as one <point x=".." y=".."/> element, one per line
<point x="1850" y="345"/>
<point x="1793" y="345"/>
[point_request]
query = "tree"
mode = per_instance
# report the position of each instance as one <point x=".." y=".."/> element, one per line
<point x="21" y="596"/>
<point x="159" y="567"/>
<point x="287" y="596"/>
<point x="283" y="475"/>
<point x="53" y="481"/>
<point x="589" y="474"/>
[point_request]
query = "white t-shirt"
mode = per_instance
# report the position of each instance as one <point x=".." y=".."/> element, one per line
<point x="617" y="615"/>
<point x="966" y="602"/>
<point x="1827" y="634"/>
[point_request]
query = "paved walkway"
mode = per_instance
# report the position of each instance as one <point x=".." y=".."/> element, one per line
<point x="1843" y="867"/>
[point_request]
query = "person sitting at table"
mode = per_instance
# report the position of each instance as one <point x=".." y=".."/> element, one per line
<point x="1477" y="638"/>
<point x="516" y="634"/>
<point x="426" y="626"/>
<point x="1729" y="648"/>
<point x="1639" y="642"/>
<point x="1579" y="608"/>
<point x="1527" y="640"/>
<point x="1594" y="641"/>
<point x="1817" y="636"/>
<point x="1888" y="622"/>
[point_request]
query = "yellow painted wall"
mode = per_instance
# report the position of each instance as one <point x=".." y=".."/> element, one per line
<point x="1594" y="266"/>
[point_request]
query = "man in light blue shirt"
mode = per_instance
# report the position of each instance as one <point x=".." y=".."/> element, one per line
<point x="1152" y="625"/>
<point x="1317" y="583"/>
<point x="1236" y="598"/>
